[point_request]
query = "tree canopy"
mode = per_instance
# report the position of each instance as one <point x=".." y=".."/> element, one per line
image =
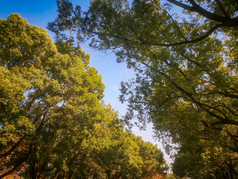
<point x="53" y="121"/>
<point x="184" y="54"/>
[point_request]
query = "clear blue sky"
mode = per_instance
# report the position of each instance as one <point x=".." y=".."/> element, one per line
<point x="40" y="12"/>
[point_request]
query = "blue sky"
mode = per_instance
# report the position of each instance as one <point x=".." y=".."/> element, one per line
<point x="40" y="12"/>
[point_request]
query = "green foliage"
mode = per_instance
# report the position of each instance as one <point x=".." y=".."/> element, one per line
<point x="186" y="74"/>
<point x="53" y="122"/>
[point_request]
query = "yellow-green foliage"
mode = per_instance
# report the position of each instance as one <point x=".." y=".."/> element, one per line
<point x="53" y="121"/>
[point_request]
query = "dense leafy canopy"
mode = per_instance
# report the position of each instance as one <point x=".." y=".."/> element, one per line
<point x="53" y="122"/>
<point x="186" y="66"/>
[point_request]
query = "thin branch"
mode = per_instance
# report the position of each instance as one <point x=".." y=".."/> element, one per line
<point x="168" y="44"/>
<point x="217" y="26"/>
<point x="12" y="148"/>
<point x="184" y="6"/>
<point x="232" y="168"/>
<point x="187" y="41"/>
<point x="175" y="23"/>
<point x="228" y="94"/>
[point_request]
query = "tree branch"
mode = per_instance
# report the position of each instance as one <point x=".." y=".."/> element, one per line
<point x="18" y="164"/>
<point x="184" y="6"/>
<point x="196" y="8"/>
<point x="186" y="41"/>
<point x="226" y="21"/>
<point x="12" y="148"/>
<point x="165" y="44"/>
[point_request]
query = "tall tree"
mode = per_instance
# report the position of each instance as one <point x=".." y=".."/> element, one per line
<point x="41" y="90"/>
<point x="186" y="67"/>
<point x="53" y="122"/>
